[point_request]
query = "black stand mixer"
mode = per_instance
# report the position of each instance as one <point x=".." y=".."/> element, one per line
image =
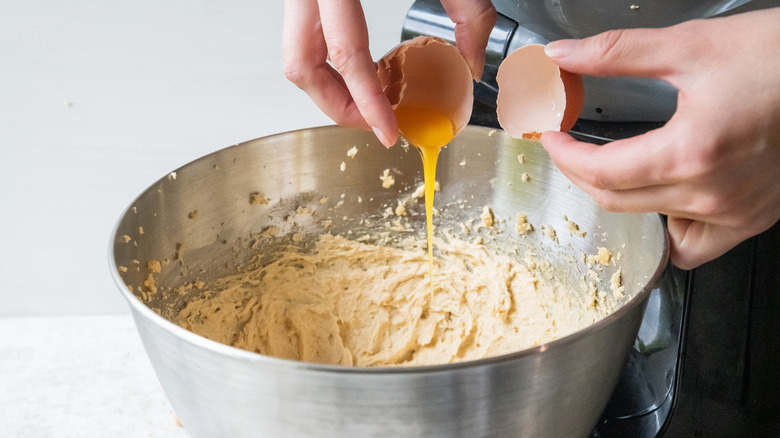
<point x="706" y="362"/>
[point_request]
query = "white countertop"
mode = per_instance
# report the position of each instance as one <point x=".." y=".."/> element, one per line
<point x="79" y="376"/>
<point x="97" y="101"/>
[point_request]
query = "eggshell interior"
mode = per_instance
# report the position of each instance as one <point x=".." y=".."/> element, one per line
<point x="429" y="71"/>
<point x="535" y="95"/>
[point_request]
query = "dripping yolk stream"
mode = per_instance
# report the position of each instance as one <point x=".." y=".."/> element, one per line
<point x="429" y="130"/>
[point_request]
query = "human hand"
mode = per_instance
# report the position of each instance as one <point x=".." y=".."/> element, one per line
<point x="714" y="168"/>
<point x="347" y="89"/>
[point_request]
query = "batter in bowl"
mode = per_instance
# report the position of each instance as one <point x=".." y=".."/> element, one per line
<point x="360" y="304"/>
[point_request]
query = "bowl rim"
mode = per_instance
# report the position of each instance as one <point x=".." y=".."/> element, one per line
<point x="140" y="309"/>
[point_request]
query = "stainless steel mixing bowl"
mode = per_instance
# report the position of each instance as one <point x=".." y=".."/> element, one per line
<point x="191" y="216"/>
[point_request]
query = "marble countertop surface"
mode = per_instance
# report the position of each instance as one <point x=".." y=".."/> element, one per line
<point x="79" y="376"/>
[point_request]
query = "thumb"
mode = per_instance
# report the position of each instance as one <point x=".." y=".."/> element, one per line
<point x="625" y="52"/>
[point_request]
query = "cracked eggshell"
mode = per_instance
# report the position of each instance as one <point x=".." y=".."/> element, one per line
<point x="535" y="95"/>
<point x="429" y="71"/>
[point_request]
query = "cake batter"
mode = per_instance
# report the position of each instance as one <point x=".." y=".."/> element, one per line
<point x="360" y="304"/>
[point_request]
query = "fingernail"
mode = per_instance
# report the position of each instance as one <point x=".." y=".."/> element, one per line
<point x="382" y="137"/>
<point x="561" y="48"/>
<point x="477" y="67"/>
<point x="476" y="75"/>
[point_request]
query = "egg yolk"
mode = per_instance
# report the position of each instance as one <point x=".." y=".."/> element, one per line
<point x="429" y="130"/>
<point x="424" y="127"/>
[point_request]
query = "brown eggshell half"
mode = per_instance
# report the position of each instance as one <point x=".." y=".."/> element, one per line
<point x="431" y="72"/>
<point x="535" y="95"/>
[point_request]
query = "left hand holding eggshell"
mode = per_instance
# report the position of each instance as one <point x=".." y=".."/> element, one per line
<point x="346" y="89"/>
<point x="326" y="54"/>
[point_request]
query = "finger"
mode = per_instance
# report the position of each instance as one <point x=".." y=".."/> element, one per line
<point x="670" y="200"/>
<point x="305" y="64"/>
<point x="346" y="36"/>
<point x="631" y="163"/>
<point x="728" y="203"/>
<point x="625" y="52"/>
<point x="474" y="20"/>
<point x="695" y="242"/>
<point x="660" y="198"/>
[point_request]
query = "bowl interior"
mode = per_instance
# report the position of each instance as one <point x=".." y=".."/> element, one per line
<point x="204" y="219"/>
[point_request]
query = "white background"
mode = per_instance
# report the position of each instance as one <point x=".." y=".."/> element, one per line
<point x="98" y="99"/>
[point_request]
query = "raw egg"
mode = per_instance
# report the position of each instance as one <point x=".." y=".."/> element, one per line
<point x="427" y="80"/>
<point x="535" y="95"/>
<point x="428" y="83"/>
